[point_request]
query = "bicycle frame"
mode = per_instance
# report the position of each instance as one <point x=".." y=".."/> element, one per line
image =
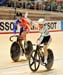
<point x="18" y="40"/>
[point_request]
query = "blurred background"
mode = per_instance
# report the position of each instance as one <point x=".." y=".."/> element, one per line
<point x="49" y="9"/>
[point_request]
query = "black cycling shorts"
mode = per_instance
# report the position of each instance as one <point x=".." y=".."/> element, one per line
<point x="45" y="40"/>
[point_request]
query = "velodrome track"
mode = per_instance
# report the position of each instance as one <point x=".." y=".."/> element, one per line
<point x="8" y="67"/>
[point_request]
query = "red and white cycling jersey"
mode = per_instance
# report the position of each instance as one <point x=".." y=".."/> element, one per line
<point x="25" y="24"/>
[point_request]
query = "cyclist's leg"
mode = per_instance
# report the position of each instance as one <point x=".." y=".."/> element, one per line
<point x="45" y="47"/>
<point x="25" y="40"/>
<point x="45" y="54"/>
<point x="21" y="37"/>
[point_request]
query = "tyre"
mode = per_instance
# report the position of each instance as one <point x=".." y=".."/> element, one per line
<point x="15" y="51"/>
<point x="34" y="61"/>
<point x="29" y="49"/>
<point x="50" y="59"/>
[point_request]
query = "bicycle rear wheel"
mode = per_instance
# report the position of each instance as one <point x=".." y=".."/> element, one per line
<point x="50" y="59"/>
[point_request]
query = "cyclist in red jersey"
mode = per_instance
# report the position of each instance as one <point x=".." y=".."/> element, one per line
<point x="24" y="28"/>
<point x="25" y="24"/>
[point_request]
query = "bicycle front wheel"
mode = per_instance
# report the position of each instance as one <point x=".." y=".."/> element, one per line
<point x="34" y="61"/>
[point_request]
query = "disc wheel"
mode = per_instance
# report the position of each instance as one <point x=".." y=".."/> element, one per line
<point x="15" y="51"/>
<point x="29" y="49"/>
<point x="34" y="61"/>
<point x="50" y="59"/>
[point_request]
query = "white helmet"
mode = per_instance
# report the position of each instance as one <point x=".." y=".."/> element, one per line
<point x="41" y="21"/>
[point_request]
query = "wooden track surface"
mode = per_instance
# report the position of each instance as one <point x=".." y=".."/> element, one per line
<point x="8" y="67"/>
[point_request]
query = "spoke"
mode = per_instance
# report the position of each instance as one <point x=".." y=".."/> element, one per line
<point x="35" y="54"/>
<point x="32" y="57"/>
<point x="35" y="65"/>
<point x="37" y="58"/>
<point x="32" y="63"/>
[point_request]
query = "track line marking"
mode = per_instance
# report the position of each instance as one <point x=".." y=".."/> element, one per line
<point x="58" y="59"/>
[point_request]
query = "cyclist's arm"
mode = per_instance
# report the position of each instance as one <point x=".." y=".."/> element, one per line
<point x="15" y="25"/>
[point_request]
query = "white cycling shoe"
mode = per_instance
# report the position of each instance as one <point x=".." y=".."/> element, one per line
<point x="45" y="61"/>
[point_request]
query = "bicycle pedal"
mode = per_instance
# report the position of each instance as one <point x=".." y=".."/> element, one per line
<point x="44" y="64"/>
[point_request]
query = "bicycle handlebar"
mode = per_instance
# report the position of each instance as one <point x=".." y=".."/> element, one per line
<point x="12" y="37"/>
<point x="41" y="45"/>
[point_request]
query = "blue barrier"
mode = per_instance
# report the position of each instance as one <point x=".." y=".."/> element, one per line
<point x="61" y="25"/>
